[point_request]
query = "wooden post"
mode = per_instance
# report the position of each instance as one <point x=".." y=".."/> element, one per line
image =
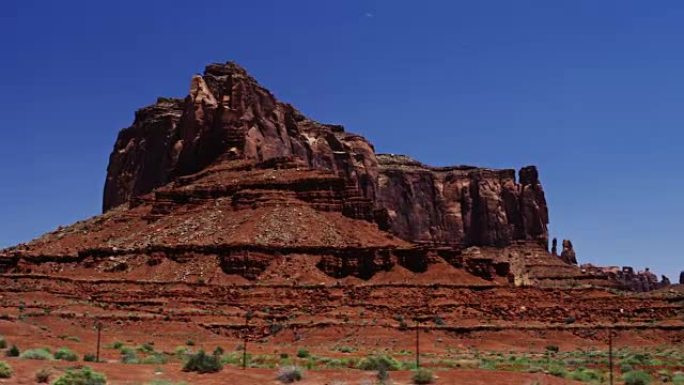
<point x="417" y="343"/>
<point x="97" y="350"/>
<point x="248" y="315"/>
<point x="610" y="355"/>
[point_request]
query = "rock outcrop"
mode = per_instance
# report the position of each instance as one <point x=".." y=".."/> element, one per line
<point x="228" y="116"/>
<point x="628" y="279"/>
<point x="568" y="253"/>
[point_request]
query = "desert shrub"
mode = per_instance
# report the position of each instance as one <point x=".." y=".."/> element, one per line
<point x="345" y="349"/>
<point x="203" y="363"/>
<point x="218" y="351"/>
<point x="678" y="378"/>
<point x="181" y="351"/>
<point x="13" y="351"/>
<point x="637" y="377"/>
<point x="303" y="353"/>
<point x="422" y="377"/>
<point x="36" y="354"/>
<point x="89" y="357"/>
<point x="66" y="354"/>
<point x="116" y="345"/>
<point x="439" y="321"/>
<point x="664" y="375"/>
<point x="85" y="376"/>
<point x="625" y="367"/>
<point x="190" y="343"/>
<point x="3" y="343"/>
<point x="289" y="374"/>
<point x="552" y="348"/>
<point x="43" y="376"/>
<point x="5" y="370"/>
<point x="155" y="359"/>
<point x="146" y="348"/>
<point x="558" y="371"/>
<point x="585" y="375"/>
<point x="129" y="356"/>
<point x="378" y="361"/>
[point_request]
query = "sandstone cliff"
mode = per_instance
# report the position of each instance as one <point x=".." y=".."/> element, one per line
<point x="228" y="116"/>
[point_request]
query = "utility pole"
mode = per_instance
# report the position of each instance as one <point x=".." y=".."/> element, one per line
<point x="417" y="343"/>
<point x="610" y="355"/>
<point x="248" y="315"/>
<point x="97" y="350"/>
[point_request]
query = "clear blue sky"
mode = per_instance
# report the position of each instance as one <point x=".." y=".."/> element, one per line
<point x="590" y="91"/>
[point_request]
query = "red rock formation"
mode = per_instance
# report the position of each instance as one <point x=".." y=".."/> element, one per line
<point x="568" y="253"/>
<point x="228" y="116"/>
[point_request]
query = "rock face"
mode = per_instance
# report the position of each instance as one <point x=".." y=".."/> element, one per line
<point x="681" y="278"/>
<point x="568" y="253"/>
<point x="228" y="116"/>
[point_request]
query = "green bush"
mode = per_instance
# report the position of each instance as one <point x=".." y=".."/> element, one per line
<point x="585" y="375"/>
<point x="155" y="359"/>
<point x="303" y="353"/>
<point x="117" y="345"/>
<point x="203" y="363"/>
<point x="637" y="377"/>
<point x="36" y="354"/>
<point x="422" y="377"/>
<point x="43" y="376"/>
<point x="85" y="376"/>
<point x="146" y="348"/>
<point x="289" y="374"/>
<point x="5" y="370"/>
<point x="129" y="356"/>
<point x="89" y="357"/>
<point x="66" y="354"/>
<point x="13" y="351"/>
<point x="678" y="378"/>
<point x="624" y="368"/>
<point x="377" y="362"/>
<point x="558" y="371"/>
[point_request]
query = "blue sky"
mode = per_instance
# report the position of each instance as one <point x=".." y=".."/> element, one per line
<point x="590" y="91"/>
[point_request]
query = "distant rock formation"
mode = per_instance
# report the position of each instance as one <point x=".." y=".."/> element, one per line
<point x="664" y="281"/>
<point x="681" y="278"/>
<point x="554" y="247"/>
<point x="627" y="278"/>
<point x="568" y="253"/>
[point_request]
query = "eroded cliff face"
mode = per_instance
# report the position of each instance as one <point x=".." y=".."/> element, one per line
<point x="460" y="206"/>
<point x="228" y="116"/>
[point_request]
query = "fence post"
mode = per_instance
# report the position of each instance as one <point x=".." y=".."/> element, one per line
<point x="417" y="343"/>
<point x="248" y="315"/>
<point x="610" y="355"/>
<point x="97" y="349"/>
